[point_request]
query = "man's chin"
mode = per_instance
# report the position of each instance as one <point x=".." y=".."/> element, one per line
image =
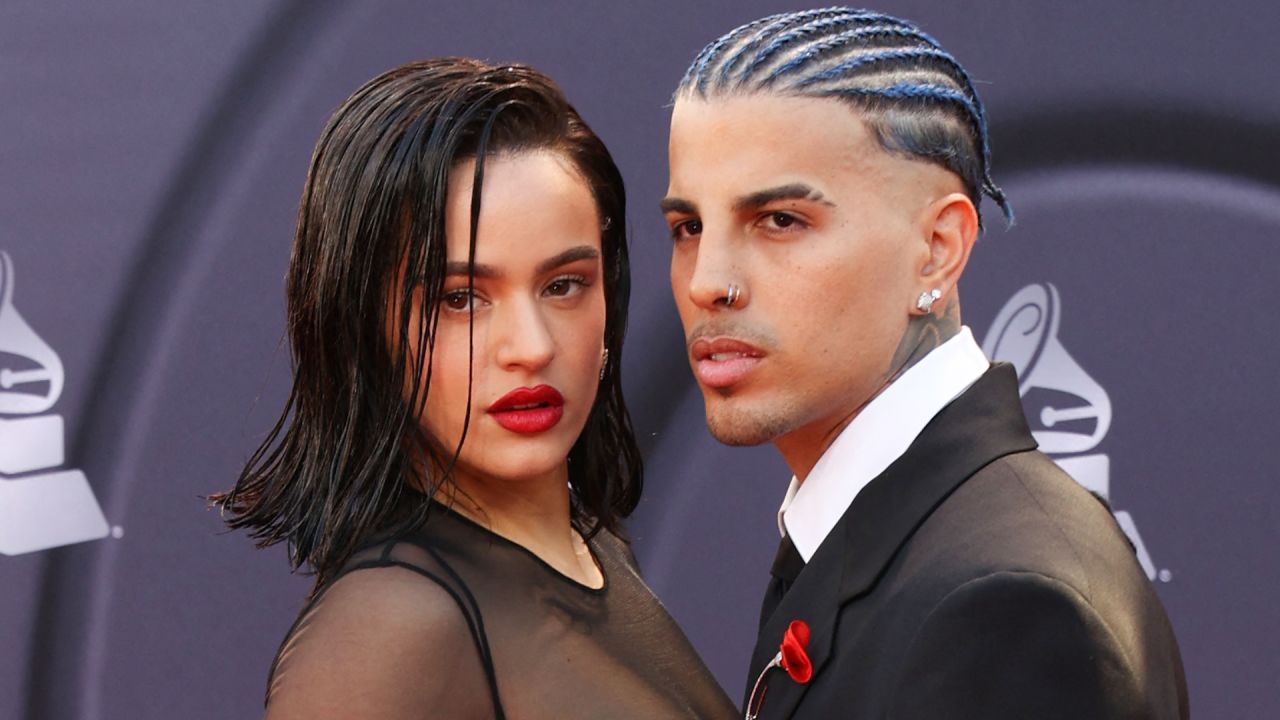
<point x="740" y="427"/>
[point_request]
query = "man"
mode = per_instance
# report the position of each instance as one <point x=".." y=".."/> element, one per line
<point x="826" y="173"/>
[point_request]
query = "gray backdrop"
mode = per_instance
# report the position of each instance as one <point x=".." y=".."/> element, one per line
<point x="151" y="157"/>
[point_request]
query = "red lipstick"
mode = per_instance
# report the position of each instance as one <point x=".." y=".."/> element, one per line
<point x="721" y="362"/>
<point x="528" y="410"/>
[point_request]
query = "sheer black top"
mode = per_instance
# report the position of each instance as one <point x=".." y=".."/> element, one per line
<point x="454" y="621"/>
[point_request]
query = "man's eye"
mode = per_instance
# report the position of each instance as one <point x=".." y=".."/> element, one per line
<point x="782" y="221"/>
<point x="688" y="228"/>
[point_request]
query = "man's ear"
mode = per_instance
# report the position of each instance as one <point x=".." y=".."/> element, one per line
<point x="950" y="228"/>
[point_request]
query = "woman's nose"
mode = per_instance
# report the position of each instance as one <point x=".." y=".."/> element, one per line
<point x="523" y="338"/>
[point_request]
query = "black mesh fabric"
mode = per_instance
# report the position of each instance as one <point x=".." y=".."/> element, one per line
<point x="454" y="621"/>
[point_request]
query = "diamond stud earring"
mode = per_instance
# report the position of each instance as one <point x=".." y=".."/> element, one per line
<point x="924" y="303"/>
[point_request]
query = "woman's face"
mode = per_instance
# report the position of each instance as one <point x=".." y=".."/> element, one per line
<point x="539" y="315"/>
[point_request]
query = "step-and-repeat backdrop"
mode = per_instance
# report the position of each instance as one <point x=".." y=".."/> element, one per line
<point x="151" y="157"/>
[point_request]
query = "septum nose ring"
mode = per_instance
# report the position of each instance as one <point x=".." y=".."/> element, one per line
<point x="732" y="294"/>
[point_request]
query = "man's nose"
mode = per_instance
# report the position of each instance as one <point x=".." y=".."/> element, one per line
<point x="715" y="282"/>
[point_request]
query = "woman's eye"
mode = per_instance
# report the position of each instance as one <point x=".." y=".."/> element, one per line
<point x="565" y="286"/>
<point x="458" y="300"/>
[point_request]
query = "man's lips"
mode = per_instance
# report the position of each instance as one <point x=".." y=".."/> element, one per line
<point x="721" y="362"/>
<point x="528" y="410"/>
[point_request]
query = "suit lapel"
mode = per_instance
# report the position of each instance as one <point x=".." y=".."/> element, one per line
<point x="813" y="598"/>
<point x="981" y="425"/>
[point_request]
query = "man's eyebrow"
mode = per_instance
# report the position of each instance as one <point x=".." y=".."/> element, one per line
<point x="794" y="191"/>
<point x="677" y="205"/>
<point x="574" y="254"/>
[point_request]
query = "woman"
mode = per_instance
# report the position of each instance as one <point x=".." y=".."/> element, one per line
<point x="455" y="456"/>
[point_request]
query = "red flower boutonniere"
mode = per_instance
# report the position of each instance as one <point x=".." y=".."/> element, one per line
<point x="792" y="656"/>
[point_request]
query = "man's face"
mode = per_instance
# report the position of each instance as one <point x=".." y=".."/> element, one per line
<point x="825" y="233"/>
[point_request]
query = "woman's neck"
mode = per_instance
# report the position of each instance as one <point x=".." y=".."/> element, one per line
<point x="532" y="512"/>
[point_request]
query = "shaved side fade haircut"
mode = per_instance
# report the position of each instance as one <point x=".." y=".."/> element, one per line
<point x="917" y="99"/>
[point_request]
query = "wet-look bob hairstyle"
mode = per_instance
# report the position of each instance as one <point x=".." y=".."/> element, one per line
<point x="347" y="462"/>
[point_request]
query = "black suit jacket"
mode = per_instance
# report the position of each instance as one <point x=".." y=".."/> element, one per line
<point x="975" y="579"/>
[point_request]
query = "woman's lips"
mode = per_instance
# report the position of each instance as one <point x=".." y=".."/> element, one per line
<point x="722" y="362"/>
<point x="528" y="410"/>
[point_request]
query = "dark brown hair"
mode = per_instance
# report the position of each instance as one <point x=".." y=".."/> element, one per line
<point x="340" y="466"/>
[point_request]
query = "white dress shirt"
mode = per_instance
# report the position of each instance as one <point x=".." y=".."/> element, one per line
<point x="876" y="437"/>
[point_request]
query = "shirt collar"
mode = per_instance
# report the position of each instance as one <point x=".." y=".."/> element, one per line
<point x="877" y="436"/>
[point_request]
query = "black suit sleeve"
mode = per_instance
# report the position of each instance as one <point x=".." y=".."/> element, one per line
<point x="1016" y="645"/>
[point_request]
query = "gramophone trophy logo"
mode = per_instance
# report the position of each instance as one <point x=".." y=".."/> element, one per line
<point x="41" y="505"/>
<point x="1069" y="412"/>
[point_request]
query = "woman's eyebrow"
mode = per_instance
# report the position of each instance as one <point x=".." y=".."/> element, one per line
<point x="574" y="254"/>
<point x="461" y="267"/>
